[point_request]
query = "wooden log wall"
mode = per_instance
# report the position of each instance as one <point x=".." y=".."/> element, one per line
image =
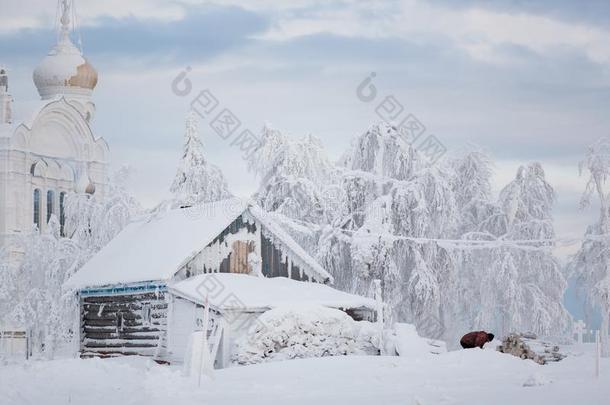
<point x="124" y="325"/>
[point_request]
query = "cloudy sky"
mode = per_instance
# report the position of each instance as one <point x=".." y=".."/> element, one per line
<point x="526" y="80"/>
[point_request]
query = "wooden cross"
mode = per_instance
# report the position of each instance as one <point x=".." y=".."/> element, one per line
<point x="579" y="329"/>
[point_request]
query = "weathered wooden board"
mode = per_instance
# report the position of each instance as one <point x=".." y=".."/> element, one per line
<point x="274" y="266"/>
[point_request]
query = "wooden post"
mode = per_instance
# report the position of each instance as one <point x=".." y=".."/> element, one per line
<point x="379" y="301"/>
<point x="597" y="353"/>
<point x="226" y="353"/>
<point x="31" y="348"/>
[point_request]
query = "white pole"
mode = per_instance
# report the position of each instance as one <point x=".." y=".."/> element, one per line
<point x="597" y="353"/>
<point x="205" y="353"/>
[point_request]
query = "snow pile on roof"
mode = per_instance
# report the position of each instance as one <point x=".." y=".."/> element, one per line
<point x="155" y="248"/>
<point x="243" y="292"/>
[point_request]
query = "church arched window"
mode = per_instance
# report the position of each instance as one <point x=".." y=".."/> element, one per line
<point x="37" y="208"/>
<point x="62" y="213"/>
<point x="50" y="204"/>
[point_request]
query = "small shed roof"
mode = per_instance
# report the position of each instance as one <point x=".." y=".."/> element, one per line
<point x="155" y="248"/>
<point x="226" y="291"/>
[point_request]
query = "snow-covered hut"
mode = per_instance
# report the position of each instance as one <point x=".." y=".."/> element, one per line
<point x="124" y="290"/>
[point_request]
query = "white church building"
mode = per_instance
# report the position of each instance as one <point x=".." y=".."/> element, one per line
<point x="51" y="149"/>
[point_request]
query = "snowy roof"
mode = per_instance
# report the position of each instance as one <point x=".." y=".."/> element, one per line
<point x="251" y="293"/>
<point x="155" y="248"/>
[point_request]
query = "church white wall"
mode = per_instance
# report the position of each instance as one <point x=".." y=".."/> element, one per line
<point x="56" y="153"/>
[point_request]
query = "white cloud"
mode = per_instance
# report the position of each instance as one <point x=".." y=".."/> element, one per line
<point x="537" y="33"/>
<point x="479" y="32"/>
<point x="42" y="13"/>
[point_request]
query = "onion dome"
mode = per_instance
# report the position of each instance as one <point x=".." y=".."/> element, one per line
<point x="83" y="184"/>
<point x="64" y="71"/>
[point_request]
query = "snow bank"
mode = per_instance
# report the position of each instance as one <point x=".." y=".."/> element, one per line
<point x="407" y="343"/>
<point x="301" y="332"/>
<point x="536" y="380"/>
<point x="470" y="377"/>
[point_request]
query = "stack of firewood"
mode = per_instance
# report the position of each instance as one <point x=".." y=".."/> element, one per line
<point x="527" y="346"/>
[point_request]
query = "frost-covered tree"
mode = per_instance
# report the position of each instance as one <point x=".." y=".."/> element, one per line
<point x="392" y="199"/>
<point x="433" y="235"/>
<point x="92" y="221"/>
<point x="32" y="294"/>
<point x="591" y="265"/>
<point x="298" y="183"/>
<point x="530" y="284"/>
<point x="295" y="175"/>
<point x="518" y="285"/>
<point x="197" y="180"/>
<point x="478" y="213"/>
<point x="480" y="219"/>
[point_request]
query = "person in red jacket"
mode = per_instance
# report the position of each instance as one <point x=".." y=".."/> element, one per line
<point x="476" y="339"/>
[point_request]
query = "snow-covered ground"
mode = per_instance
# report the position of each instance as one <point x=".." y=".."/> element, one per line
<point x="466" y="376"/>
